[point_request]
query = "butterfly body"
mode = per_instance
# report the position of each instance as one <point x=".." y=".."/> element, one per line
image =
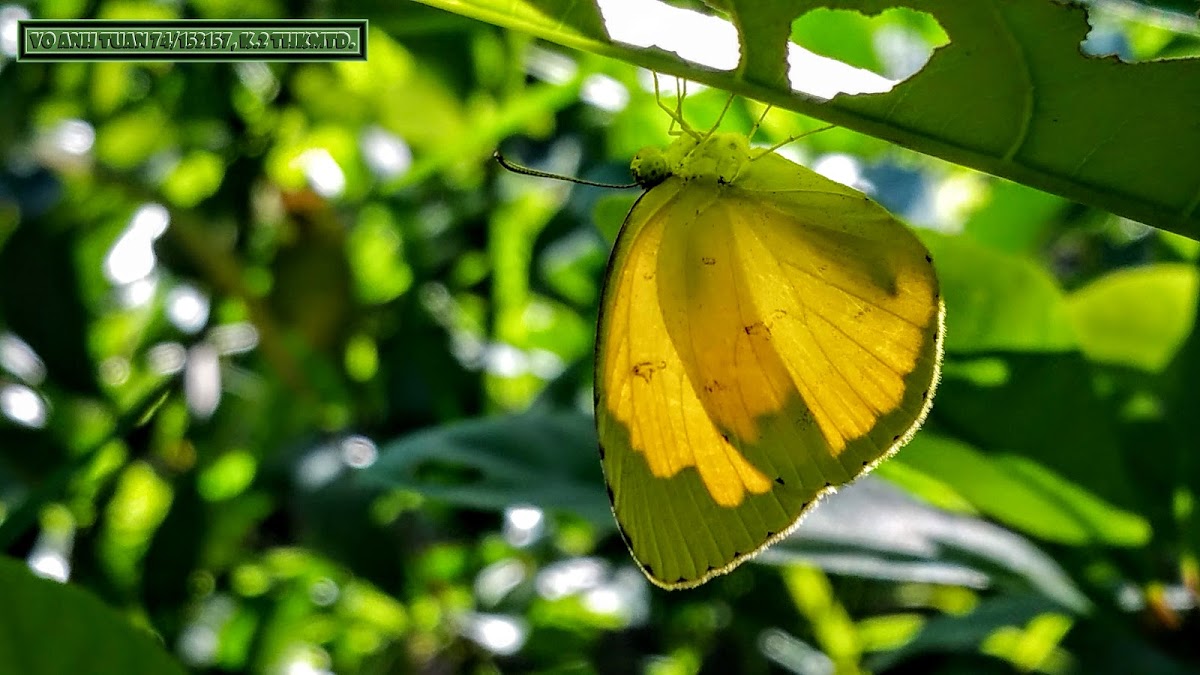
<point x="766" y="335"/>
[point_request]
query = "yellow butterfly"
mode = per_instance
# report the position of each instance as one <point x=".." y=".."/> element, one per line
<point x="766" y="335"/>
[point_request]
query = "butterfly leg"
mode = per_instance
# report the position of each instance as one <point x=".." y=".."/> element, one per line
<point x="790" y="139"/>
<point x="728" y="102"/>
<point x="675" y="114"/>
<point x="758" y="123"/>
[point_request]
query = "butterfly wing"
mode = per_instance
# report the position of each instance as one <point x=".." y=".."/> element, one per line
<point x="758" y="345"/>
<point x="865" y="325"/>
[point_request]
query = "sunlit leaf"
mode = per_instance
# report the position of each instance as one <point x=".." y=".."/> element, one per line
<point x="1137" y="317"/>
<point x="997" y="301"/>
<point x="1011" y="95"/>
<point x="1024" y="495"/>
<point x="872" y="530"/>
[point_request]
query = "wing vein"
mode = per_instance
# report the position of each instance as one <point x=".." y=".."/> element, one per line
<point x="822" y="280"/>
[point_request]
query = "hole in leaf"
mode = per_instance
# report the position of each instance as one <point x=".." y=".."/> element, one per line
<point x="843" y="51"/>
<point x="698" y="37"/>
<point x="1134" y="33"/>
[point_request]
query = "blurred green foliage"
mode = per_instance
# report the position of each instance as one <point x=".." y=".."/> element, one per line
<point x="293" y="379"/>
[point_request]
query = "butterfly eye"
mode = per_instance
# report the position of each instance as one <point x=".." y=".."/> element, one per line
<point x="649" y="167"/>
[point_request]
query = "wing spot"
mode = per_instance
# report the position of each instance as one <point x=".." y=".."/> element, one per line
<point x="726" y="437"/>
<point x="648" y="275"/>
<point x="770" y="534"/>
<point x="715" y="386"/>
<point x="758" y="328"/>
<point x="829" y="485"/>
<point x="924" y="394"/>
<point x="806" y="419"/>
<point x="649" y="570"/>
<point x="602" y="455"/>
<point x="780" y="481"/>
<point x="646" y="369"/>
<point x="608" y="489"/>
<point x="895" y="438"/>
<point x="680" y="580"/>
<point x="928" y="258"/>
<point x="708" y="260"/>
<point x="762" y="327"/>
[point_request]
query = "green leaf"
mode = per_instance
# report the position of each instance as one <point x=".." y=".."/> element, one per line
<point x="1025" y="495"/>
<point x="51" y="629"/>
<point x="997" y="301"/>
<point x="1136" y="317"/>
<point x="1040" y="407"/>
<point x="1011" y="95"/>
<point x="1097" y="647"/>
<point x="543" y="458"/>
<point x="966" y="633"/>
<point x="1016" y="218"/>
<point x="872" y="530"/>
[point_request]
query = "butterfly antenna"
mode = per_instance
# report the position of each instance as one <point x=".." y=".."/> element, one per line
<point x="524" y="170"/>
<point x="790" y="139"/>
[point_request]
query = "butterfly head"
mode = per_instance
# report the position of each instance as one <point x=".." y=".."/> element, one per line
<point x="650" y="167"/>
